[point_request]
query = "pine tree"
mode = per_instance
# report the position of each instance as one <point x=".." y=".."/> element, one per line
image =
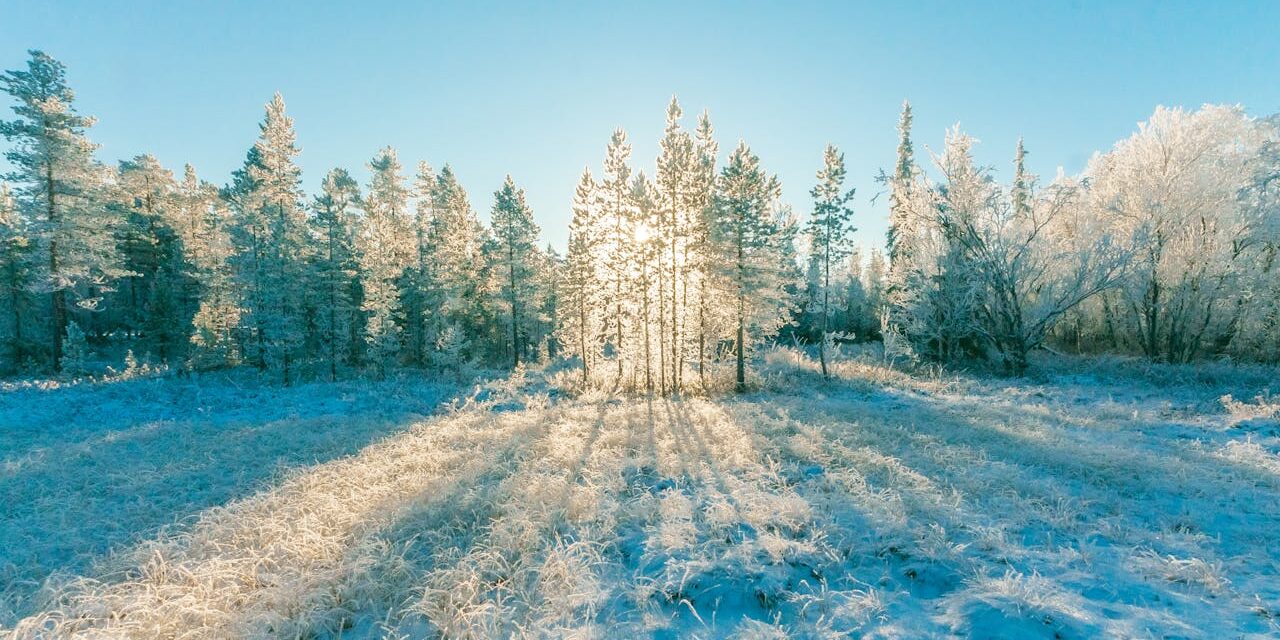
<point x="700" y="258"/>
<point x="582" y="287"/>
<point x="155" y="301"/>
<point x="677" y="166"/>
<point x="419" y="299"/>
<point x="205" y="228"/>
<point x="830" y="228"/>
<point x="644" y="254"/>
<point x="15" y="279"/>
<point x="458" y="271"/>
<point x="334" y="222"/>
<point x="515" y="261"/>
<point x="551" y="284"/>
<point x="272" y="244"/>
<point x="386" y="249"/>
<point x="60" y="189"/>
<point x="616" y="210"/>
<point x="747" y="239"/>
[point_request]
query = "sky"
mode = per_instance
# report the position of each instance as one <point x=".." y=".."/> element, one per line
<point x="534" y="89"/>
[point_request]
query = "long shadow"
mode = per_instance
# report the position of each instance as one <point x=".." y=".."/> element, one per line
<point x="1107" y="474"/>
<point x="896" y="545"/>
<point x="86" y="469"/>
<point x="1105" y="480"/>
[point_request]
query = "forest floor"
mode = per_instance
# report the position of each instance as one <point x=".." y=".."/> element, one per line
<point x="1094" y="498"/>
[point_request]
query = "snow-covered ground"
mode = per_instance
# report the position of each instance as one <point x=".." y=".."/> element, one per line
<point x="1099" y="498"/>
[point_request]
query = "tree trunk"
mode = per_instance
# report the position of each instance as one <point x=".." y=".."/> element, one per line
<point x="515" y="312"/>
<point x="741" y="380"/>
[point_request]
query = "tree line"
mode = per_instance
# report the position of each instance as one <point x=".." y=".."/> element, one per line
<point x="1165" y="247"/>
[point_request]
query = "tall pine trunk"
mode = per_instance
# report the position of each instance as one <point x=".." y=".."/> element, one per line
<point x="515" y="313"/>
<point x="741" y="385"/>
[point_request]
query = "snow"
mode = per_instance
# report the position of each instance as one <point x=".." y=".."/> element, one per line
<point x="1095" y="498"/>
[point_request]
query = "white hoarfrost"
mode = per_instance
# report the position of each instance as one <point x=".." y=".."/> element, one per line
<point x="1104" y="498"/>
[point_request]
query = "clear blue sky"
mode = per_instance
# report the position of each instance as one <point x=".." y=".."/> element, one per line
<point x="534" y="89"/>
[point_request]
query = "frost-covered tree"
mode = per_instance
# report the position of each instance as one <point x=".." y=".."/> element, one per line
<point x="830" y="232"/>
<point x="1172" y="191"/>
<point x="675" y="180"/>
<point x="385" y="249"/>
<point x="747" y="239"/>
<point x="205" y="225"/>
<point x="60" y="190"/>
<point x="874" y="278"/>
<point x="158" y="298"/>
<point x="617" y="212"/>
<point x="580" y="323"/>
<point x="700" y="254"/>
<point x="644" y="253"/>
<point x="901" y="183"/>
<point x="934" y="287"/>
<point x="516" y="262"/>
<point x="1256" y="333"/>
<point x="334" y="221"/>
<point x="550" y="284"/>
<point x="458" y="274"/>
<point x="271" y="238"/>
<point x="419" y="299"/>
<point x="1031" y="261"/>
<point x="75" y="358"/>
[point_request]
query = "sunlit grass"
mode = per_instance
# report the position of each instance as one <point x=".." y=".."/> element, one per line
<point x="882" y="502"/>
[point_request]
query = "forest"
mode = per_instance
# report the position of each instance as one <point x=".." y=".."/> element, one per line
<point x="1165" y="248"/>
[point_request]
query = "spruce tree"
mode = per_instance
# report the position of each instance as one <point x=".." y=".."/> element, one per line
<point x="904" y="172"/>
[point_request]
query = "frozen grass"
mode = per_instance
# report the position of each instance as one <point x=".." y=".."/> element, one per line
<point x="1099" y="498"/>
<point x="87" y="467"/>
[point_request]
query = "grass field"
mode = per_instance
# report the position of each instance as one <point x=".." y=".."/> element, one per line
<point x="1096" y="498"/>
